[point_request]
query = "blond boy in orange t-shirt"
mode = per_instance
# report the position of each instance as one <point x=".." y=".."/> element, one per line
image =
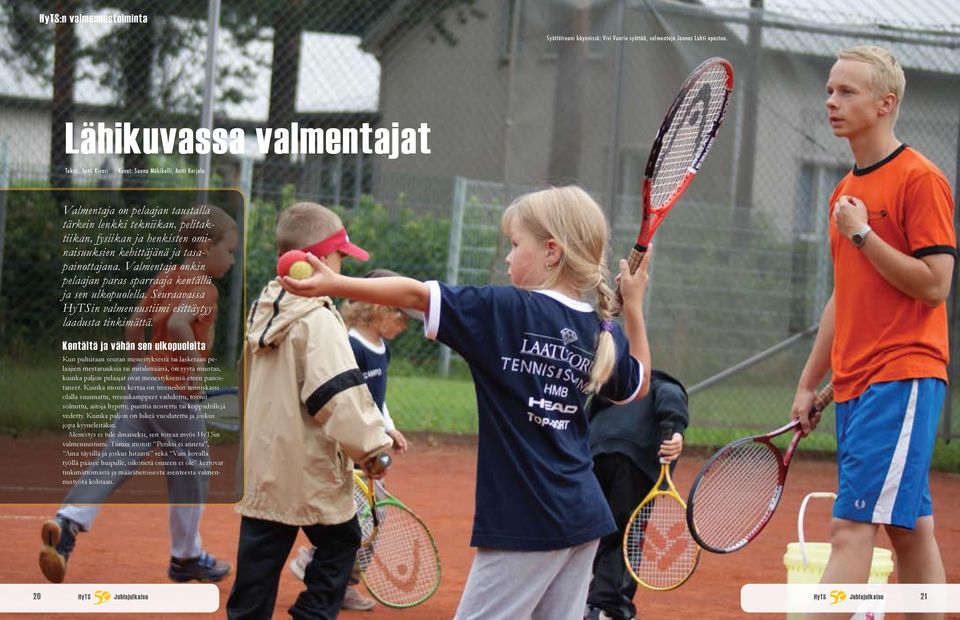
<point x="883" y="332"/>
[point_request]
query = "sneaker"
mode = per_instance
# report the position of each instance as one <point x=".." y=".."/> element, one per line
<point x="298" y="565"/>
<point x="355" y="601"/>
<point x="205" y="568"/>
<point x="59" y="536"/>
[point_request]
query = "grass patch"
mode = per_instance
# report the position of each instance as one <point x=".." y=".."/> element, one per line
<point x="32" y="402"/>
<point x="425" y="403"/>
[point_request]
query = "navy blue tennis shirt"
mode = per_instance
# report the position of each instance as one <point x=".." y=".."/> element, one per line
<point x="372" y="360"/>
<point x="530" y="354"/>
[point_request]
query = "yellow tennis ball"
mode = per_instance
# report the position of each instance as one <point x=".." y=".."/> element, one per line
<point x="300" y="270"/>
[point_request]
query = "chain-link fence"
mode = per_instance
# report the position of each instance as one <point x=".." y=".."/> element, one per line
<point x="517" y="94"/>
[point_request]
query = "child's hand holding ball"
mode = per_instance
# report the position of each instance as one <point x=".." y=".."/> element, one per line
<point x="294" y="264"/>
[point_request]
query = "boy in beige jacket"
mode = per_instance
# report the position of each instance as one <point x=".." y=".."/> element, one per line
<point x="309" y="416"/>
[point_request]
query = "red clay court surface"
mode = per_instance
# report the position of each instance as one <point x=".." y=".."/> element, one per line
<point x="130" y="543"/>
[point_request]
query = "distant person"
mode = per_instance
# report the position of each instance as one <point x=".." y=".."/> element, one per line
<point x="161" y="406"/>
<point x="626" y="448"/>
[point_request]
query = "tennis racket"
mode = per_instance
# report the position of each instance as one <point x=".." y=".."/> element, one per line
<point x="365" y="499"/>
<point x="401" y="568"/>
<point x="221" y="409"/>
<point x="738" y="489"/>
<point x="682" y="143"/>
<point x="657" y="547"/>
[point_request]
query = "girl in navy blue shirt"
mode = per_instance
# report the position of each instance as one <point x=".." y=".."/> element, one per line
<point x="371" y="326"/>
<point x="536" y="350"/>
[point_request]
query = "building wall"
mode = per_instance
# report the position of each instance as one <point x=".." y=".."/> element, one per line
<point x="463" y="93"/>
<point x="460" y="91"/>
<point x="27" y="130"/>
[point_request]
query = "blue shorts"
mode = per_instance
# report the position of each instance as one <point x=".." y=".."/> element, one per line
<point x="884" y="445"/>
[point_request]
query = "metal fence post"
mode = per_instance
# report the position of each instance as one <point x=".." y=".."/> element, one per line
<point x="952" y="327"/>
<point x="613" y="172"/>
<point x="236" y="276"/>
<point x="206" y="114"/>
<point x="453" y="253"/>
<point x="4" y="182"/>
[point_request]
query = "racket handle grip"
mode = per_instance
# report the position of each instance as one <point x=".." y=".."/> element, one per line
<point x="633" y="261"/>
<point x="824" y="398"/>
<point x="666" y="434"/>
<point x="636" y="255"/>
<point x="378" y="464"/>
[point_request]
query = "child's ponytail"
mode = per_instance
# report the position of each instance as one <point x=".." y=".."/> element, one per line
<point x="605" y="356"/>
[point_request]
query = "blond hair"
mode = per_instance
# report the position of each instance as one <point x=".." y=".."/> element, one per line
<point x="570" y="217"/>
<point x="361" y="313"/>
<point x="198" y="227"/>
<point x="304" y="224"/>
<point x="887" y="76"/>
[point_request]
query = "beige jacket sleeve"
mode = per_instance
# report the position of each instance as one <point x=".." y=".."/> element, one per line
<point x="335" y="393"/>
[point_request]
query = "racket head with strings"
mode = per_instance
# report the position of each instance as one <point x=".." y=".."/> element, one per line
<point x="738" y="489"/>
<point x="685" y="137"/>
<point x="402" y="568"/>
<point x="658" y="550"/>
<point x="221" y="409"/>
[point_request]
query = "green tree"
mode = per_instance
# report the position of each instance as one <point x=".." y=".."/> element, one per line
<point x="145" y="65"/>
<point x="29" y="41"/>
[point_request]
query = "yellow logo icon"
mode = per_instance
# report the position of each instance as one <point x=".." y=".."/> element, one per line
<point x="102" y="596"/>
<point x="837" y="596"/>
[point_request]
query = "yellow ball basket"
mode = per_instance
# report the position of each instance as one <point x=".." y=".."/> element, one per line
<point x="806" y="561"/>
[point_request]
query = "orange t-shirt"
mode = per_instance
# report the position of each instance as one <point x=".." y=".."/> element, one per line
<point x="883" y="334"/>
<point x="175" y="289"/>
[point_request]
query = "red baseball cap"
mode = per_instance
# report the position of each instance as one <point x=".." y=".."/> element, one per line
<point x="338" y="242"/>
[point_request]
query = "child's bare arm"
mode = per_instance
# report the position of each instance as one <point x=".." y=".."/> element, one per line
<point x="400" y="444"/>
<point x="398" y="292"/>
<point x="633" y="287"/>
<point x="399" y="441"/>
<point x="180" y="326"/>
